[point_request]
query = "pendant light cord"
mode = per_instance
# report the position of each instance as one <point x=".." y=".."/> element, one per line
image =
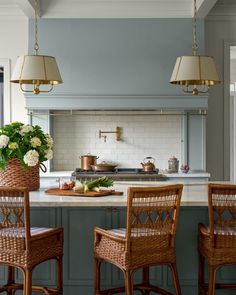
<point x="195" y="46"/>
<point x="36" y="13"/>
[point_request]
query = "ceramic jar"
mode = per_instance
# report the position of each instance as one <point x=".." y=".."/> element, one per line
<point x="173" y="165"/>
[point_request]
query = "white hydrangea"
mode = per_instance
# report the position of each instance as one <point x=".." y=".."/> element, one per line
<point x="25" y="129"/>
<point x="35" y="141"/>
<point x="49" y="141"/>
<point x="49" y="154"/>
<point x="4" y="141"/>
<point x="31" y="158"/>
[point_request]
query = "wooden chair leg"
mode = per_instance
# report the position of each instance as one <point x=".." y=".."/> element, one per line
<point x="28" y="282"/>
<point x="97" y="276"/>
<point x="128" y="283"/>
<point x="10" y="274"/>
<point x="212" y="280"/>
<point x="10" y="278"/>
<point x="145" y="280"/>
<point x="201" y="274"/>
<point x="59" y="275"/>
<point x="175" y="278"/>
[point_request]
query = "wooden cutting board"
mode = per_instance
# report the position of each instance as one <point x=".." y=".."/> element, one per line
<point x="102" y="193"/>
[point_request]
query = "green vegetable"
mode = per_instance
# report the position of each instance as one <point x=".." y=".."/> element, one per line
<point x="102" y="181"/>
<point x="96" y="189"/>
<point x="78" y="188"/>
<point x="95" y="184"/>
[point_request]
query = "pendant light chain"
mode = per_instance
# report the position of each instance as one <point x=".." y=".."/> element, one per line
<point x="195" y="73"/>
<point x="34" y="69"/>
<point x="195" y="46"/>
<point x="36" y="13"/>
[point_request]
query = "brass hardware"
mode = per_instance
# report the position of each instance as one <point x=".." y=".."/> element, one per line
<point x="117" y="132"/>
<point x="101" y="113"/>
<point x="194" y="90"/>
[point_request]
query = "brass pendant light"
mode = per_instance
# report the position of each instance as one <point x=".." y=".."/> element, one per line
<point x="36" y="69"/>
<point x="196" y="73"/>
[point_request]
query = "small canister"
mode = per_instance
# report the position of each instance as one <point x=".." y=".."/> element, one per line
<point x="173" y="165"/>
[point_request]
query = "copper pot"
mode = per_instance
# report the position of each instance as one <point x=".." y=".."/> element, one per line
<point x="87" y="161"/>
<point x="103" y="167"/>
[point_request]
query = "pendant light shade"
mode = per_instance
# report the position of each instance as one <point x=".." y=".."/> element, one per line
<point x="195" y="70"/>
<point x="36" y="69"/>
<point x="196" y="73"/>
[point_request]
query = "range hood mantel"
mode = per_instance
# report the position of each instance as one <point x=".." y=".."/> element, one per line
<point x="64" y="101"/>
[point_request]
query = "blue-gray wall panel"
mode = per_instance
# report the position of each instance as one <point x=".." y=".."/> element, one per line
<point x="116" y="57"/>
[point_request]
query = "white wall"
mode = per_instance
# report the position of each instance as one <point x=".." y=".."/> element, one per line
<point x="233" y="70"/>
<point x="158" y="136"/>
<point x="14" y="42"/>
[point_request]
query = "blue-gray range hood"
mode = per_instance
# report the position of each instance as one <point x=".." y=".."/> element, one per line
<point x="63" y="101"/>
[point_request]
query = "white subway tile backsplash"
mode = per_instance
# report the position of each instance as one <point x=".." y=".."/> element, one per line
<point x="143" y="135"/>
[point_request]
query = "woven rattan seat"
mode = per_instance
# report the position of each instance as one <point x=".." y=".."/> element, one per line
<point x="217" y="242"/>
<point x="24" y="247"/>
<point x="148" y="239"/>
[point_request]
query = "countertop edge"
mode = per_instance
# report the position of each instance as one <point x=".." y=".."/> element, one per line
<point x="58" y="174"/>
<point x="194" y="194"/>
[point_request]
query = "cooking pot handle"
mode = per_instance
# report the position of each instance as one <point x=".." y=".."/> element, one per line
<point x="149" y="158"/>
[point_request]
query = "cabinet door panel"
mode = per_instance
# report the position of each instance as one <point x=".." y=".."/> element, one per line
<point x="44" y="217"/>
<point x="79" y="226"/>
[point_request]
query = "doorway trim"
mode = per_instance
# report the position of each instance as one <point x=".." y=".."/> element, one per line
<point x="229" y="124"/>
<point x="5" y="64"/>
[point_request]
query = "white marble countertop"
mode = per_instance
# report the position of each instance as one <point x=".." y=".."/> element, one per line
<point x="194" y="194"/>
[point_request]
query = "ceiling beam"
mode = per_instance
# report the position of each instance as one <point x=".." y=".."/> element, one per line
<point x="27" y="6"/>
<point x="204" y="7"/>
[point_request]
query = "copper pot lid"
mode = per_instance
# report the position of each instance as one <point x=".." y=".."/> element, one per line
<point x="89" y="155"/>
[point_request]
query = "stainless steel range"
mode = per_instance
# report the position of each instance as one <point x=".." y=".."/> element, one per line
<point x="120" y="174"/>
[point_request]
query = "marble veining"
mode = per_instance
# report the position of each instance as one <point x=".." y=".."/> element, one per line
<point x="194" y="194"/>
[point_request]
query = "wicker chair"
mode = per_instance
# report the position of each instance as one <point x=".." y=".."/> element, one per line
<point x="148" y="239"/>
<point x="23" y="247"/>
<point x="217" y="243"/>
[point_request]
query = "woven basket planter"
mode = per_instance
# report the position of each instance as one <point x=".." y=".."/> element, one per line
<point x="15" y="175"/>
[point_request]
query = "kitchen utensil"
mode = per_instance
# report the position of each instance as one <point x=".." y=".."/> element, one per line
<point x="173" y="165"/>
<point x="103" y="166"/>
<point x="87" y="161"/>
<point x="148" y="164"/>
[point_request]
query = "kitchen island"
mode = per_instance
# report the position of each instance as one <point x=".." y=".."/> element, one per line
<point x="79" y="216"/>
<point x="194" y="194"/>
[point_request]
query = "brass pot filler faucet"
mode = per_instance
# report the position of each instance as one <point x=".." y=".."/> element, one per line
<point x="117" y="132"/>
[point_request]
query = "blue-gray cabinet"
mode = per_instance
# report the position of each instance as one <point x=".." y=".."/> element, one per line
<point x="79" y="222"/>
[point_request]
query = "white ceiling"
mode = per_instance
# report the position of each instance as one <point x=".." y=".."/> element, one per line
<point x="106" y="8"/>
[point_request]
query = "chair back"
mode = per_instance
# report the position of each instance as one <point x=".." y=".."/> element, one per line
<point x="14" y="218"/>
<point x="222" y="207"/>
<point x="152" y="216"/>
